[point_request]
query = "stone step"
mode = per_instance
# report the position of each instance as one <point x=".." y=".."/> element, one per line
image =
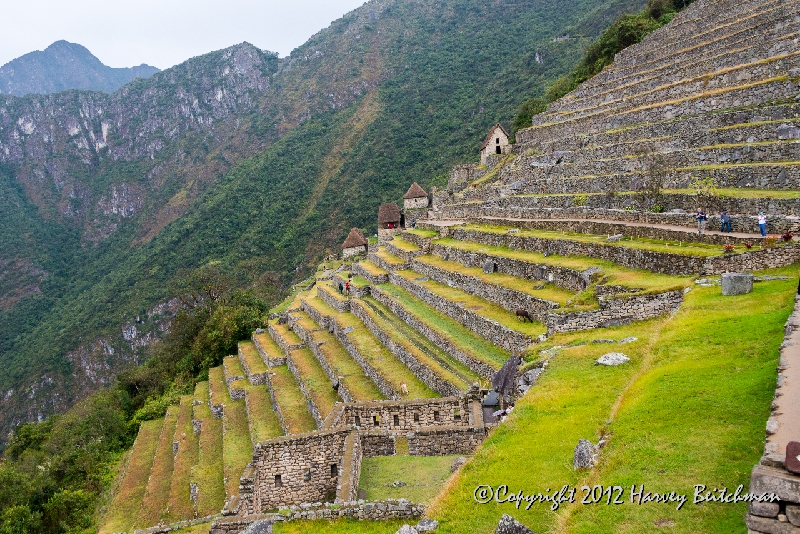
<point x="430" y="364"/>
<point x="403" y="249"/>
<point x="371" y="272"/>
<point x="207" y="476"/>
<point x="284" y="337"/>
<point x="386" y="260"/>
<point x="463" y="345"/>
<point x="419" y="237"/>
<point x="180" y="505"/>
<point x="234" y="372"/>
<point x="486" y="319"/>
<point x="289" y="401"/>
<point x="387" y="369"/>
<point x="127" y="500"/>
<point x="507" y="291"/>
<point x="271" y="353"/>
<point x="253" y="365"/>
<point x="314" y="383"/>
<point x="332" y="355"/>
<point x="217" y="391"/>
<point x="158" y="483"/>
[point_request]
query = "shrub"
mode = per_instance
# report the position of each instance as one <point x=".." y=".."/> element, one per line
<point x="729" y="248"/>
<point x="787" y="237"/>
<point x="748" y="245"/>
<point x="579" y="200"/>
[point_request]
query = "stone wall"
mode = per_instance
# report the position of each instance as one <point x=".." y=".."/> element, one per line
<point x="354" y="251"/>
<point x="615" y="312"/>
<point x="355" y="291"/>
<point x="275" y="407"/>
<point x="325" y="294"/>
<point x="309" y="401"/>
<point x="347" y="491"/>
<point x="406" y="255"/>
<point x="415" y="215"/>
<point x="385" y="265"/>
<point x="403" y="416"/>
<point x="282" y="343"/>
<point x="308" y="467"/>
<point x="420" y="370"/>
<point x="462" y="175"/>
<point x="359" y="270"/>
<point x="442" y="441"/>
<point x="480" y="367"/>
<point x="270" y="361"/>
<point x="255" y="379"/>
<point x="377" y="443"/>
<point x="492" y="331"/>
<point x="415" y="203"/>
<point x="768" y="258"/>
<point x="386" y="234"/>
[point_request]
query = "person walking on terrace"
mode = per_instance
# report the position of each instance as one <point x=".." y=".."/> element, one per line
<point x="701" y="220"/>
<point x="762" y="224"/>
<point x="725" y="218"/>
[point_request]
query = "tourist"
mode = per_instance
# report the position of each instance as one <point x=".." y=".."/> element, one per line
<point x="701" y="220"/>
<point x="341" y="287"/>
<point x="403" y="389"/>
<point x="347" y="288"/>
<point x="725" y="219"/>
<point x="762" y="224"/>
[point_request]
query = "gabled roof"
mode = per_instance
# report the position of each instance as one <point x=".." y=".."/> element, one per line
<point x="388" y="213"/>
<point x="490" y="135"/>
<point x="354" y="239"/>
<point x="415" y="191"/>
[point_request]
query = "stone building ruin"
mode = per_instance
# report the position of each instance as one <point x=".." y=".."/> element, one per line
<point x="496" y="142"/>
<point x="389" y="222"/>
<point x="355" y="244"/>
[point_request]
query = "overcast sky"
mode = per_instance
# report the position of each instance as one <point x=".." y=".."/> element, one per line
<point x="162" y="33"/>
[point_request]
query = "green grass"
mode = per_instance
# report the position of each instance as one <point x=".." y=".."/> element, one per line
<point x="339" y="526"/>
<point x="237" y="447"/>
<point x="735" y="192"/>
<point x="179" y="506"/>
<point x="463" y="339"/>
<point x="614" y="274"/>
<point x="157" y="492"/>
<point x="404" y="245"/>
<point x="372" y="269"/>
<point x="639" y="243"/>
<point x="286" y="333"/>
<point x="291" y="401"/>
<point x="217" y="389"/>
<point x="255" y="364"/>
<point x="549" y="292"/>
<point x="315" y="380"/>
<point x="328" y="287"/>
<point x="690" y="408"/>
<point x="128" y="497"/>
<point x="424" y="476"/>
<point x="422" y="349"/>
<point x="208" y="473"/>
<point x="360" y="386"/>
<point x="388" y="257"/>
<point x="263" y="421"/>
<point x="423" y="233"/>
<point x="233" y="367"/>
<point x="268" y="345"/>
<point x="477" y="305"/>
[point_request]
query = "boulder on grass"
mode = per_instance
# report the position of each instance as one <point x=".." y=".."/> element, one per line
<point x="737" y="283"/>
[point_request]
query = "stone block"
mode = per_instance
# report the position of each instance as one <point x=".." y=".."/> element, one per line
<point x="765" y="509"/>
<point x="612" y="359"/>
<point x="766" y="479"/>
<point x="584" y="452"/>
<point x="489" y="267"/>
<point x="427" y="525"/>
<point x="770" y="526"/>
<point x="614" y="238"/>
<point x="793" y="514"/>
<point x="509" y="525"/>
<point x="792" y="461"/>
<point x="736" y="283"/>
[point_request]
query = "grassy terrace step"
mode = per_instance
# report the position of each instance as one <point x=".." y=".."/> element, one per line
<point x="372" y="268"/>
<point x="425" y="352"/>
<point x="208" y="473"/>
<point x="405" y="246"/>
<point x="237" y="446"/>
<point x="379" y="357"/>
<point x="286" y="333"/>
<point x="179" y="504"/>
<point x="462" y="339"/>
<point x="314" y="379"/>
<point x="252" y="361"/>
<point x="128" y="498"/>
<point x="291" y="401"/>
<point x="422" y="233"/>
<point x="233" y="367"/>
<point x="388" y="257"/>
<point x="262" y="420"/>
<point x="477" y="305"/>
<point x="157" y="493"/>
<point x="613" y="274"/>
<point x="339" y="360"/>
<point x="267" y="346"/>
<point x="549" y="292"/>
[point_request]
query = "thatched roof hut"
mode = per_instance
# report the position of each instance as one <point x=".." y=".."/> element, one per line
<point x="389" y="213"/>
<point x="354" y="239"/>
<point x="415" y="191"/>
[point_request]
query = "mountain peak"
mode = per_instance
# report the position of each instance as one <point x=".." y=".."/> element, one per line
<point x="62" y="66"/>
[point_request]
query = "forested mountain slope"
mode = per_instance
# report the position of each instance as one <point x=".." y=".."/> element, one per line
<point x="238" y="157"/>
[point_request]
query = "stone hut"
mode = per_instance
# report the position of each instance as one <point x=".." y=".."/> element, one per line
<point x="496" y="142"/>
<point x="389" y="222"/>
<point x="415" y="198"/>
<point x="355" y="243"/>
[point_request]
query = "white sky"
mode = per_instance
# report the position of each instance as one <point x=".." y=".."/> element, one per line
<point x="162" y="33"/>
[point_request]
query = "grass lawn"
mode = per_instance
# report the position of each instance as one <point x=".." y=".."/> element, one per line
<point x="208" y="473"/>
<point x="233" y="367"/>
<point x="263" y="421"/>
<point x="462" y="338"/>
<point x="613" y="273"/>
<point x="388" y="257"/>
<point x="237" y="447"/>
<point x="689" y="408"/>
<point x="179" y="505"/>
<point x="640" y="243"/>
<point x="268" y="345"/>
<point x="217" y="389"/>
<point x="424" y="477"/>
<point x="424" y="234"/>
<point x="315" y="380"/>
<point x="405" y="246"/>
<point x="253" y="360"/>
<point x="128" y="498"/>
<point x="477" y="305"/>
<point x="428" y="354"/>
<point x="286" y="333"/>
<point x="157" y="493"/>
<point x="549" y="292"/>
<point x="372" y="269"/>
<point x="291" y="401"/>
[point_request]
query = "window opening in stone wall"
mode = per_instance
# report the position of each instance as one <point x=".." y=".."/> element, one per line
<point x="357" y="421"/>
<point x="457" y="414"/>
<point x="307" y="476"/>
<point x="497" y="150"/>
<point x="436" y="416"/>
<point x="278" y="482"/>
<point x="396" y="420"/>
<point x="416" y="418"/>
<point x="376" y="421"/>
<point x="334" y="470"/>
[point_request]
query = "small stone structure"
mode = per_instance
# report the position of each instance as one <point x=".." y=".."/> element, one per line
<point x="389" y="222"/>
<point x="496" y="142"/>
<point x="355" y="244"/>
<point x="736" y="283"/>
<point x="415" y="197"/>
